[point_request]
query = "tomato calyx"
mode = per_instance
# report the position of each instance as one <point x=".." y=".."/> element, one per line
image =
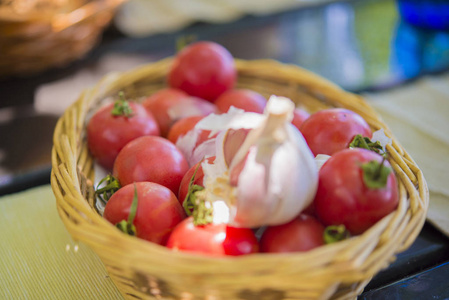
<point x="184" y="41"/>
<point x="335" y="233"/>
<point x="127" y="226"/>
<point x="360" y="141"/>
<point x="122" y="107"/>
<point x="112" y="185"/>
<point x="375" y="174"/>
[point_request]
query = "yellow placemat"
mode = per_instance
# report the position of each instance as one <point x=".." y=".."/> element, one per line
<point x="39" y="259"/>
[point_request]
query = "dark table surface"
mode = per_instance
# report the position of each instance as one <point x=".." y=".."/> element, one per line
<point x="361" y="45"/>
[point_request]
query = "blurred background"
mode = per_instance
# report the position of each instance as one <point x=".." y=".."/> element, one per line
<point x="393" y="52"/>
<point x="50" y="50"/>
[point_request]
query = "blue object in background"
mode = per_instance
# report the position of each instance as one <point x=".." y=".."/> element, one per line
<point x="418" y="51"/>
<point x="432" y="14"/>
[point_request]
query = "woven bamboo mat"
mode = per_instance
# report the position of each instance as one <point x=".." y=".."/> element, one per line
<point x="39" y="259"/>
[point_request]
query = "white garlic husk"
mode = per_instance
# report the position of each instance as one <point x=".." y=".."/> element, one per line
<point x="320" y="159"/>
<point x="382" y="138"/>
<point x="234" y="119"/>
<point x="271" y="177"/>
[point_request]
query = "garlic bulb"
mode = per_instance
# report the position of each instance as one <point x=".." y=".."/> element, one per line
<point x="264" y="171"/>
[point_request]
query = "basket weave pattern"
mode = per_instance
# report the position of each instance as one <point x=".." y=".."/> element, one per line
<point x="37" y="41"/>
<point x="142" y="270"/>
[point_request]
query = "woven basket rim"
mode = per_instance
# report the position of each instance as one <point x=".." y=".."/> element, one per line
<point x="40" y="42"/>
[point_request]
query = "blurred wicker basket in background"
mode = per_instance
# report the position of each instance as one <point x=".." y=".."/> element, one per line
<point x="40" y="34"/>
<point x="142" y="270"/>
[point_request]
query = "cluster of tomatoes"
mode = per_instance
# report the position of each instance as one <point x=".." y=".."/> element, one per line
<point x="151" y="178"/>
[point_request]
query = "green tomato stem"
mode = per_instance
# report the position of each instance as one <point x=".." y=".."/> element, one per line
<point x="365" y="143"/>
<point x="105" y="193"/>
<point x="184" y="41"/>
<point x="375" y="174"/>
<point x="335" y="233"/>
<point x="122" y="107"/>
<point x="128" y="226"/>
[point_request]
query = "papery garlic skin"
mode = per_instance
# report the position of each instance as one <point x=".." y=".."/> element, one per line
<point x="221" y="212"/>
<point x="320" y="159"/>
<point x="192" y="152"/>
<point x="382" y="138"/>
<point x="218" y="124"/>
<point x="279" y="177"/>
<point x="187" y="144"/>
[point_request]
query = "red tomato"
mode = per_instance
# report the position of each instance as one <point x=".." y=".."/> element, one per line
<point x="158" y="210"/>
<point x="247" y="100"/>
<point x="171" y="105"/>
<point x="198" y="180"/>
<point x="331" y="130"/>
<point x="343" y="197"/>
<point x="301" y="234"/>
<point x="299" y="116"/>
<point x="108" y="134"/>
<point x="160" y="102"/>
<point x="212" y="239"/>
<point x="203" y="69"/>
<point x="151" y="158"/>
<point x="310" y="210"/>
<point x="184" y="125"/>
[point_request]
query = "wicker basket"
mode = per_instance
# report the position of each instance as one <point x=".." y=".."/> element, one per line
<point x="38" y="38"/>
<point x="143" y="270"/>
